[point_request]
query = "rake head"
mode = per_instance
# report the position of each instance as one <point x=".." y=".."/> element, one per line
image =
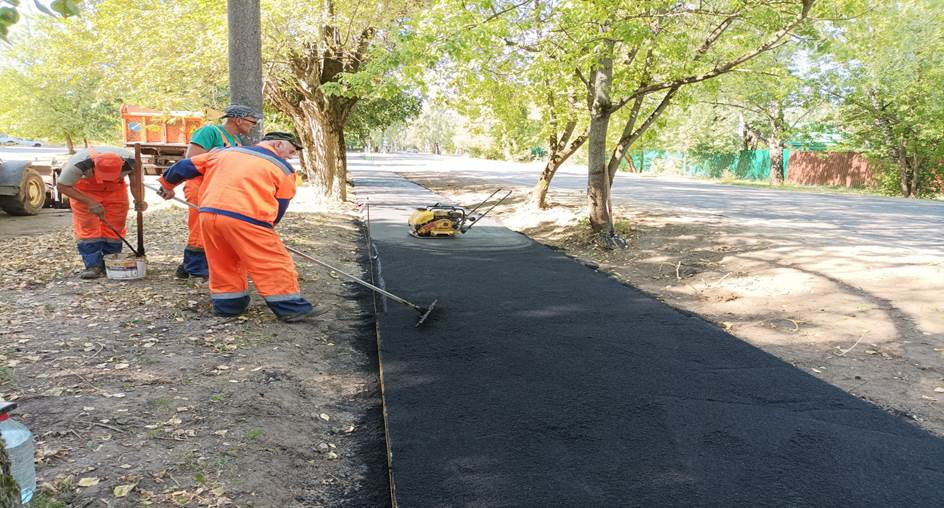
<point x="425" y="312"/>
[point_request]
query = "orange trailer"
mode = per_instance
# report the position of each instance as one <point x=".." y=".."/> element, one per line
<point x="163" y="136"/>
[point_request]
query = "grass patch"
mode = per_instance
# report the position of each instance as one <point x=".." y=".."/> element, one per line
<point x="42" y="501"/>
<point x="824" y="189"/>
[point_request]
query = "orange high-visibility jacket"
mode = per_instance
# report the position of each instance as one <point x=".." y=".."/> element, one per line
<point x="247" y="183"/>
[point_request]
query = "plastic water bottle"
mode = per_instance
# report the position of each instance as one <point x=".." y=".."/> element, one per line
<point x="18" y="441"/>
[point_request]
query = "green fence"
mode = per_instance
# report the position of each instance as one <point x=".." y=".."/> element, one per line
<point x="747" y="164"/>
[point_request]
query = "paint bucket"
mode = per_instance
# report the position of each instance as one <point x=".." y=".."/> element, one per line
<point x="125" y="266"/>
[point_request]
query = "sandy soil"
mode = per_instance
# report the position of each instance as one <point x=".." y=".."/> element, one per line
<point x="137" y="395"/>
<point x="867" y="319"/>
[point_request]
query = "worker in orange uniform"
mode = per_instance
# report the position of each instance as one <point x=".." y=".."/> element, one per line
<point x="245" y="193"/>
<point x="238" y="121"/>
<point x="94" y="180"/>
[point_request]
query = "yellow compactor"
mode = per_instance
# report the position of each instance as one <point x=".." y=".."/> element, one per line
<point x="447" y="221"/>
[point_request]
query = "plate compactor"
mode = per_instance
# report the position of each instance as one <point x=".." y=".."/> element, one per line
<point x="447" y="221"/>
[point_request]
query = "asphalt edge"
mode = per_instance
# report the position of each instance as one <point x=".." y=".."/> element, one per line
<point x="391" y="483"/>
<point x="371" y="253"/>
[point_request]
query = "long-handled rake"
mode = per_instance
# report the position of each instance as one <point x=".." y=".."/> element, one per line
<point x="423" y="311"/>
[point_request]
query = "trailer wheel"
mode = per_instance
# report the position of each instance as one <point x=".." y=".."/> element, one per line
<point x="31" y="197"/>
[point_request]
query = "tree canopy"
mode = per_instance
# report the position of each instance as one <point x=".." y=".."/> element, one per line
<point x="507" y="79"/>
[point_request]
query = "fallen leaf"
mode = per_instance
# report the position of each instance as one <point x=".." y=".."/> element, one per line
<point x="332" y="456"/>
<point x="121" y="366"/>
<point x="124" y="490"/>
<point x="88" y="482"/>
<point x="324" y="417"/>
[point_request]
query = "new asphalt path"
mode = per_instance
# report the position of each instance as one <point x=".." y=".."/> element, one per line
<point x="539" y="381"/>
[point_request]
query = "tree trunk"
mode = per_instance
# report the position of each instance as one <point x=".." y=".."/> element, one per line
<point x="904" y="172"/>
<point x="245" y="57"/>
<point x="776" y="145"/>
<point x="85" y="141"/>
<point x="70" y="145"/>
<point x="318" y="118"/>
<point x="324" y="161"/>
<point x="915" y="176"/>
<point x="896" y="147"/>
<point x="559" y="156"/>
<point x="600" y="110"/>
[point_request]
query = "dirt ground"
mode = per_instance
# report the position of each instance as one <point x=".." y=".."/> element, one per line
<point x="139" y="396"/>
<point x="867" y="319"/>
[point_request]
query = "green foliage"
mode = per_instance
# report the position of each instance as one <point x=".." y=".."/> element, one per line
<point x="69" y="77"/>
<point x="295" y="28"/>
<point x="376" y="115"/>
<point x="517" y="95"/>
<point x="515" y="62"/>
<point x="434" y="130"/>
<point x="9" y="12"/>
<point x="886" y="75"/>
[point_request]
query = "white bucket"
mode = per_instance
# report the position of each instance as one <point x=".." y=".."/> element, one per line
<point x="125" y="266"/>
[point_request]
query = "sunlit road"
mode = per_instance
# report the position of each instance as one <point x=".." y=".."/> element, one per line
<point x="862" y="220"/>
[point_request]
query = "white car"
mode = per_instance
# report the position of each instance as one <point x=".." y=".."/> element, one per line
<point x="13" y="140"/>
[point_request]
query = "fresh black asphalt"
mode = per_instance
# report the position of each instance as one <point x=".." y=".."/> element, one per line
<point x="539" y="381"/>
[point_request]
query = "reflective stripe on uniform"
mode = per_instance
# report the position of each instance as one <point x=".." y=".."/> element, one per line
<point x="91" y="240"/>
<point x="244" y="218"/>
<point x="226" y="296"/>
<point x="274" y="160"/>
<point x="283" y="298"/>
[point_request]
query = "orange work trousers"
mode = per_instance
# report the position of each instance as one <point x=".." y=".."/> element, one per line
<point x="192" y="194"/>
<point x="236" y="249"/>
<point x="93" y="237"/>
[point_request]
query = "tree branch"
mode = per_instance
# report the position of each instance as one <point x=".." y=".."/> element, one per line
<point x="773" y="42"/>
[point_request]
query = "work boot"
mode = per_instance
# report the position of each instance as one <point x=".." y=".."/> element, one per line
<point x="299" y="317"/>
<point x="93" y="272"/>
<point x="181" y="272"/>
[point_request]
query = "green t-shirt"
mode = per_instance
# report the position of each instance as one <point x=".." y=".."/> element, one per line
<point x="209" y="137"/>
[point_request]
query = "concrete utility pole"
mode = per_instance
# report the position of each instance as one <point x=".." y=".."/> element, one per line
<point x="245" y="56"/>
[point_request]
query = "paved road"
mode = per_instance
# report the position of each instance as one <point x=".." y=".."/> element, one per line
<point x="25" y="153"/>
<point x="859" y="220"/>
<point x="540" y="382"/>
